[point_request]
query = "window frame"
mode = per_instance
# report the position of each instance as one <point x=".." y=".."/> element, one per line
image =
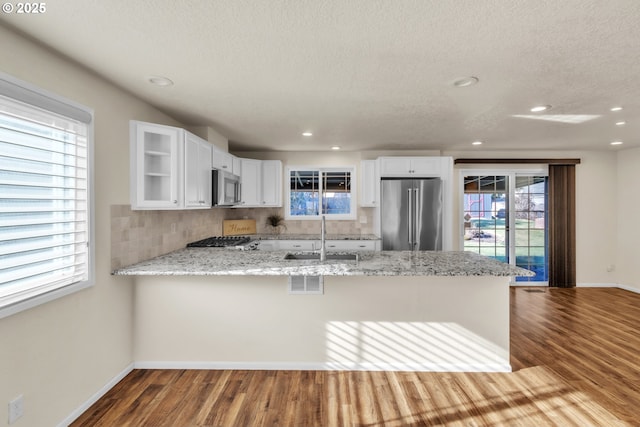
<point x="42" y="99"/>
<point x="351" y="169"/>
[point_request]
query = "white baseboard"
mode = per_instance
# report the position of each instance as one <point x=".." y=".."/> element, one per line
<point x="329" y="366"/>
<point x="93" y="399"/>
<point x="629" y="288"/>
<point x="596" y="285"/>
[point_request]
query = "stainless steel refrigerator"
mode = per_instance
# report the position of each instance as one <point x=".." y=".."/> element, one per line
<point x="411" y="214"/>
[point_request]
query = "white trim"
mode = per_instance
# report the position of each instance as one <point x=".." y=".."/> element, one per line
<point x="352" y="215"/>
<point x="596" y="285"/>
<point x="628" y="288"/>
<point x="328" y="366"/>
<point x="96" y="396"/>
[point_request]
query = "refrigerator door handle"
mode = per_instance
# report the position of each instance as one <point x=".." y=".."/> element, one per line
<point x="416" y="215"/>
<point x="410" y="217"/>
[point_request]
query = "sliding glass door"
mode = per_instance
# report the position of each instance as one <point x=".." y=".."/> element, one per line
<point x="505" y="217"/>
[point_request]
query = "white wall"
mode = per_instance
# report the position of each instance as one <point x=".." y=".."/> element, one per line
<point x="627" y="213"/>
<point x="59" y="354"/>
<point x="248" y="322"/>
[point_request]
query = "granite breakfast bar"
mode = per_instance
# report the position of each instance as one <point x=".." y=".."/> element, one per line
<point x="390" y="310"/>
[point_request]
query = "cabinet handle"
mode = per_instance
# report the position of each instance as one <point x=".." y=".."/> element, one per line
<point x="224" y="166"/>
<point x="175" y="201"/>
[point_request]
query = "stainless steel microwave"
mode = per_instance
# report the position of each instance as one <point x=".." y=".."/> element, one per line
<point x="226" y="188"/>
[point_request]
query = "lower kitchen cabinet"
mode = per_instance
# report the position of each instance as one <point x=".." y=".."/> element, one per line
<point x="314" y="245"/>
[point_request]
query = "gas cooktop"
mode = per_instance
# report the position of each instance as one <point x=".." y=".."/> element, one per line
<point x="219" y="242"/>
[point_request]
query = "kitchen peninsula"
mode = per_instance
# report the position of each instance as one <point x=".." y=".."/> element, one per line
<point x="389" y="310"/>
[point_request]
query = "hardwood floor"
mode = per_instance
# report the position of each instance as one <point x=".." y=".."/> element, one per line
<point x="575" y="357"/>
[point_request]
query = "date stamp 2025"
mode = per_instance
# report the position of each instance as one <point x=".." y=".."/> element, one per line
<point x="24" y="8"/>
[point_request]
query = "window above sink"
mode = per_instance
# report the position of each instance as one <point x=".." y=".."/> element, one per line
<point x="313" y="192"/>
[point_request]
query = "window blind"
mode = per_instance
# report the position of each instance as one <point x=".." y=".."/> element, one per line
<point x="44" y="200"/>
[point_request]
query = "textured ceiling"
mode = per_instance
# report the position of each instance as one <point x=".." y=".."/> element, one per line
<point x="367" y="74"/>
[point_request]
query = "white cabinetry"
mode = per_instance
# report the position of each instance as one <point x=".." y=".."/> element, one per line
<point x="351" y="245"/>
<point x="411" y="166"/>
<point x="197" y="172"/>
<point x="156" y="166"/>
<point x="369" y="183"/>
<point x="237" y="166"/>
<point x="261" y="183"/>
<point x="170" y="168"/>
<point x="314" y="245"/>
<point x="222" y="160"/>
<point x="297" y="245"/>
<point x="251" y="182"/>
<point x="271" y="183"/>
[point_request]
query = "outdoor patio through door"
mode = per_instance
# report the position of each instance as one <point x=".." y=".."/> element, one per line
<point x="505" y="217"/>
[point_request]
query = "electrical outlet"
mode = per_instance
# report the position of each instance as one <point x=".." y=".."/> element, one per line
<point x="16" y="409"/>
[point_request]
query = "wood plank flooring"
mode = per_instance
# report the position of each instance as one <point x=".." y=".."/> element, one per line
<point x="575" y="356"/>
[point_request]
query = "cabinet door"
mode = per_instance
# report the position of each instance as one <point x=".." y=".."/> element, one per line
<point x="426" y="166"/>
<point x="237" y="166"/>
<point x="390" y="166"/>
<point x="197" y="172"/>
<point x="156" y="159"/>
<point x="192" y="175"/>
<point x="222" y="160"/>
<point x="204" y="167"/>
<point x="351" y="245"/>
<point x="296" y="245"/>
<point x="272" y="183"/>
<point x="369" y="183"/>
<point x="251" y="183"/>
<point x="410" y="166"/>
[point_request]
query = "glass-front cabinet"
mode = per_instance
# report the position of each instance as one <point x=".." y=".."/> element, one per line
<point x="155" y="166"/>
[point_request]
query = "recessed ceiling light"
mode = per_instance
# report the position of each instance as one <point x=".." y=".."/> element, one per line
<point x="616" y="143"/>
<point x="160" y="81"/>
<point x="335" y="147"/>
<point x="539" y="108"/>
<point x="476" y="143"/>
<point x="616" y="108"/>
<point x="466" y="81"/>
<point x="621" y="123"/>
<point x="307" y="134"/>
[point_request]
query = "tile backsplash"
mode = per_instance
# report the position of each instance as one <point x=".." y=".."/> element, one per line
<point x="140" y="235"/>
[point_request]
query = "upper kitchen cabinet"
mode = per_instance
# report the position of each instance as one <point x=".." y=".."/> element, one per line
<point x="271" y="183"/>
<point x="411" y="166"/>
<point x="223" y="160"/>
<point x="170" y="168"/>
<point x="197" y="172"/>
<point x="261" y="183"/>
<point x="250" y="181"/>
<point x="155" y="162"/>
<point x="369" y="183"/>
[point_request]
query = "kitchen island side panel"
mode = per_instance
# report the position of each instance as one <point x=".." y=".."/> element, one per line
<point x="372" y="323"/>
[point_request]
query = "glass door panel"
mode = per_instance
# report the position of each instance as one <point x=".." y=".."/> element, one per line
<point x="530" y="201"/>
<point x="505" y="218"/>
<point x="485" y="216"/>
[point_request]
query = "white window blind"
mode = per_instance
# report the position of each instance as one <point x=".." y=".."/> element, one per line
<point x="44" y="199"/>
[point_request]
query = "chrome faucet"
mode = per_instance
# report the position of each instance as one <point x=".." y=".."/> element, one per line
<point x="323" y="248"/>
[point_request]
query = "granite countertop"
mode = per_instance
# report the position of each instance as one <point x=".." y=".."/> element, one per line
<point x="229" y="262"/>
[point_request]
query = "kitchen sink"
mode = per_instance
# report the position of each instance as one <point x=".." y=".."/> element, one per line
<point x="312" y="256"/>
